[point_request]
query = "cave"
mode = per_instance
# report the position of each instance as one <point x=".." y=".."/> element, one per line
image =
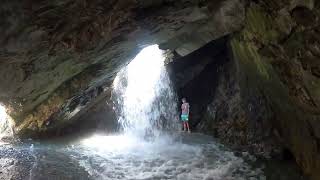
<point x="93" y="89"/>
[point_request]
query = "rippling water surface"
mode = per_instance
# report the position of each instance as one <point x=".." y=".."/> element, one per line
<point x="186" y="156"/>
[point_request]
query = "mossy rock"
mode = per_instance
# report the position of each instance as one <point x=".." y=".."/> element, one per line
<point x="248" y="54"/>
<point x="259" y="26"/>
<point x="295" y="44"/>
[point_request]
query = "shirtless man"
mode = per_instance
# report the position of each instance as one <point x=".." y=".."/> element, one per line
<point x="185" y="114"/>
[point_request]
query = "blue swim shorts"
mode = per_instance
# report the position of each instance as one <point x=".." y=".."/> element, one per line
<point x="184" y="117"/>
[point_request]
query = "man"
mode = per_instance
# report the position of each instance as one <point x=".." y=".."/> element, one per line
<point x="185" y="114"/>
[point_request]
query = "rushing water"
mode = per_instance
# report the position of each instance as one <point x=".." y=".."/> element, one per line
<point x="144" y="95"/>
<point x="5" y="123"/>
<point x="185" y="157"/>
<point x="99" y="157"/>
<point x="148" y="147"/>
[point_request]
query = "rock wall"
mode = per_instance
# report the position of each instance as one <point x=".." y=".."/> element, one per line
<point x="242" y="122"/>
<point x="209" y="79"/>
<point x="277" y="57"/>
<point x="265" y="98"/>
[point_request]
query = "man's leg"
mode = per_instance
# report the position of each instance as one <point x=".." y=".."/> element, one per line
<point x="184" y="126"/>
<point x="188" y="126"/>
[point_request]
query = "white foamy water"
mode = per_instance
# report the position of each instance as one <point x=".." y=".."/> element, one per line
<point x="5" y="123"/>
<point x="147" y="107"/>
<point x="144" y="95"/>
<point x="187" y="156"/>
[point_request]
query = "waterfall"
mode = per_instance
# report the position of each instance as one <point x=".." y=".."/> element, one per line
<point x="144" y="97"/>
<point x="147" y="108"/>
<point x="5" y="123"/>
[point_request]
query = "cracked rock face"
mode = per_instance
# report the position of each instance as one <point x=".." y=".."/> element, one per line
<point x="57" y="56"/>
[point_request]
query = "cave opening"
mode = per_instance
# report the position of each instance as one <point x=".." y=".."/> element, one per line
<point x="198" y="76"/>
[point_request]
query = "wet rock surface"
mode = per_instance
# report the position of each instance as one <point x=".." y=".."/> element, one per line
<point x="266" y="97"/>
<point x="276" y="63"/>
